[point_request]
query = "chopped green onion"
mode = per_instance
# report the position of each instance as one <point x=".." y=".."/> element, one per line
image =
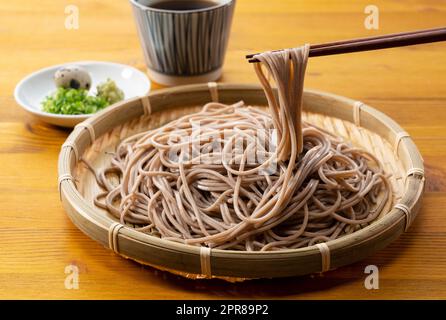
<point x="73" y="101"/>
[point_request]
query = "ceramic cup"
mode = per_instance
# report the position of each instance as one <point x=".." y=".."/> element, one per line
<point x="183" y="41"/>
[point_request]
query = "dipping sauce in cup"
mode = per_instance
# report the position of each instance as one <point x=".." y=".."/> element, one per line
<point x="183" y="41"/>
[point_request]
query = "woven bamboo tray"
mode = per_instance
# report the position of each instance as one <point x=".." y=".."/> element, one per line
<point x="364" y="126"/>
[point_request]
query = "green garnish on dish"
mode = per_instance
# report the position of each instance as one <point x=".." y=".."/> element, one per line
<point x="73" y="101"/>
<point x="110" y="91"/>
<point x="71" y="96"/>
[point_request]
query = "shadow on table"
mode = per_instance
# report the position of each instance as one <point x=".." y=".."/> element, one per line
<point x="349" y="277"/>
<point x="352" y="275"/>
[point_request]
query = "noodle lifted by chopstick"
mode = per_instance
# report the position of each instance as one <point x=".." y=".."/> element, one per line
<point x="321" y="187"/>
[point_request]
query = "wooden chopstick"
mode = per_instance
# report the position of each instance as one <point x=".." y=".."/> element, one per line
<point x="374" y="43"/>
<point x="327" y="44"/>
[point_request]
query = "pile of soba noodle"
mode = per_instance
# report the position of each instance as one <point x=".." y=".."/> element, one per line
<point x="246" y="179"/>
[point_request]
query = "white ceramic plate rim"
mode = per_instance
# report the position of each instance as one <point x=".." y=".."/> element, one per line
<point x="68" y="116"/>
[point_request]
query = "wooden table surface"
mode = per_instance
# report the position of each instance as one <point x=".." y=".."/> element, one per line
<point x="38" y="241"/>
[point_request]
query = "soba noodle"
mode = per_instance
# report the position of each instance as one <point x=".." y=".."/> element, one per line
<point x="226" y="186"/>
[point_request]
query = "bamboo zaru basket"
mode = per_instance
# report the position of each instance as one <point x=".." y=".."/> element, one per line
<point x="361" y="124"/>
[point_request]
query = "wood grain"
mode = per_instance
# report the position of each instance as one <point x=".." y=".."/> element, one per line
<point x="37" y="240"/>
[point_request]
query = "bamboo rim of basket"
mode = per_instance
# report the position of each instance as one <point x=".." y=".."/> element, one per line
<point x="229" y="263"/>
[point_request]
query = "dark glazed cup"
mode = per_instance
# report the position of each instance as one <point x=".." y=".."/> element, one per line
<point x="183" y="46"/>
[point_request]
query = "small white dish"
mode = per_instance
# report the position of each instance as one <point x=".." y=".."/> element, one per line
<point x="31" y="90"/>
